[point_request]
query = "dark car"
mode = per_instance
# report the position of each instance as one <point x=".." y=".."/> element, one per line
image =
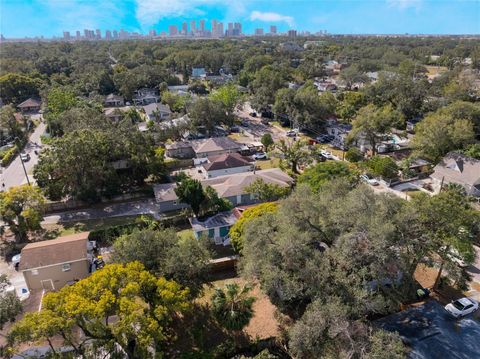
<point x="253" y="114"/>
<point x="268" y="114"/>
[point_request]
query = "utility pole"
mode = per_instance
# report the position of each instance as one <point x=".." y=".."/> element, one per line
<point x="17" y="140"/>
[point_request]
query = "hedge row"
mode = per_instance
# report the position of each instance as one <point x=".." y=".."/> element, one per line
<point x="9" y="156"/>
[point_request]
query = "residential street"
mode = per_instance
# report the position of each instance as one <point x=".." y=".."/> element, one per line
<point x="14" y="175"/>
<point x="113" y="210"/>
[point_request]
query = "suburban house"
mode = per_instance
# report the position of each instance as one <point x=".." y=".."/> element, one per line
<point x="113" y="100"/>
<point x="339" y="131"/>
<point x="218" y="226"/>
<point x="52" y="264"/>
<point x="179" y="149"/>
<point x="226" y="164"/>
<point x="231" y="187"/>
<point x="215" y="227"/>
<point x="459" y="169"/>
<point x="145" y="96"/>
<point x="30" y="105"/>
<point x="115" y="114"/>
<point x="214" y="146"/>
<point x="420" y="167"/>
<point x="157" y="111"/>
<point x="198" y="73"/>
<point x="325" y="86"/>
<point x="181" y="90"/>
<point x="204" y="148"/>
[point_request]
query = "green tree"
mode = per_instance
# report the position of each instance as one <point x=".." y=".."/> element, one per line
<point x="121" y="305"/>
<point x="163" y="253"/>
<point x="228" y="95"/>
<point x="437" y="134"/>
<point x="213" y="204"/>
<point x="16" y="88"/>
<point x="10" y="304"/>
<point x="352" y="75"/>
<point x="232" y="307"/>
<point x="237" y="230"/>
<point x="190" y="191"/>
<point x="373" y="124"/>
<point x="354" y="155"/>
<point x="382" y="166"/>
<point x="473" y="151"/>
<point x="349" y="104"/>
<point x="267" y="141"/>
<point x="9" y="122"/>
<point x="21" y="208"/>
<point x="294" y="153"/>
<point x="267" y="191"/>
<point x="268" y="80"/>
<point x="323" y="172"/>
<point x="209" y="113"/>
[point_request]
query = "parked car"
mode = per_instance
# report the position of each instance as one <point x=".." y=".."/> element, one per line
<point x="16" y="260"/>
<point x="260" y="156"/>
<point x="235" y="129"/>
<point x="461" y="307"/>
<point x="325" y="138"/>
<point x="244" y="123"/>
<point x="253" y="114"/>
<point x="370" y="181"/>
<point x="25" y="157"/>
<point x="327" y="155"/>
<point x="291" y="133"/>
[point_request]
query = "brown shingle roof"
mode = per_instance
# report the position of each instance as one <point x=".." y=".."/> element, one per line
<point x="215" y="144"/>
<point x="228" y="160"/>
<point x="30" y="103"/>
<point x="56" y="251"/>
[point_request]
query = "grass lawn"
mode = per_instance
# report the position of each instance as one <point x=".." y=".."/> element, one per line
<point x="63" y="229"/>
<point x="186" y="234"/>
<point x="270" y="163"/>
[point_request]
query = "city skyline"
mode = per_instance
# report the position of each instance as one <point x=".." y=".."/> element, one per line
<point x="50" y="18"/>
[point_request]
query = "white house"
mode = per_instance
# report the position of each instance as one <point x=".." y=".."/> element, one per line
<point x="157" y="111"/>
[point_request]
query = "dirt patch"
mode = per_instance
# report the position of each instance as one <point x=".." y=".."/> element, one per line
<point x="425" y="276"/>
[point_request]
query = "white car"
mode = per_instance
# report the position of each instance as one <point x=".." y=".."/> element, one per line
<point x="370" y="181"/>
<point x="260" y="156"/>
<point x="16" y="259"/>
<point x="327" y="155"/>
<point x="461" y="307"/>
<point x="25" y="157"/>
<point x="291" y="133"/>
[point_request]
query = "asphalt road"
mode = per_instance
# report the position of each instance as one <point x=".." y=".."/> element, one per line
<point x="256" y="128"/>
<point x="14" y="175"/>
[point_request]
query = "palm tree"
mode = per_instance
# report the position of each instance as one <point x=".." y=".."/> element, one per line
<point x="232" y="307"/>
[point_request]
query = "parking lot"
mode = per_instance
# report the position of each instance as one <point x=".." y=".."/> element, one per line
<point x="432" y="333"/>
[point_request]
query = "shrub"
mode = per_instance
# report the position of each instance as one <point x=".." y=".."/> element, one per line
<point x="9" y="156"/>
<point x="354" y="155"/>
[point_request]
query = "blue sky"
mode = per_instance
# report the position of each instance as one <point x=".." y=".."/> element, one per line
<point x="50" y="17"/>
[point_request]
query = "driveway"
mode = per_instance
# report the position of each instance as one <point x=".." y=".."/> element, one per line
<point x="474" y="269"/>
<point x="432" y="333"/>
<point x="14" y="175"/>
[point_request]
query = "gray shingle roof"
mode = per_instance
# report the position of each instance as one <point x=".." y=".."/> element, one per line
<point x="228" y="160"/>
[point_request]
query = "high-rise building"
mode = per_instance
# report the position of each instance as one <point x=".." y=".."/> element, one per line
<point x="230" y="26"/>
<point x="78" y="35"/>
<point x="184" y="28"/>
<point x="108" y="35"/>
<point x="292" y="33"/>
<point x="214" y="27"/>
<point x="115" y="34"/>
<point x="202" y="25"/>
<point x="193" y="26"/>
<point x="237" y="29"/>
<point x="273" y="29"/>
<point x="98" y="34"/>
<point x="66" y="35"/>
<point x="259" y="32"/>
<point x="152" y="33"/>
<point x="172" y="30"/>
<point x="86" y="33"/>
<point x="220" y="32"/>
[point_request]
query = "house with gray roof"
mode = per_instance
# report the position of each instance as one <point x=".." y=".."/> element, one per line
<point x="231" y="187"/>
<point x="113" y="100"/>
<point x="226" y="164"/>
<point x="459" y="169"/>
<point x="30" y="105"/>
<point x="215" y="227"/>
<point x="215" y="146"/>
<point x="157" y="111"/>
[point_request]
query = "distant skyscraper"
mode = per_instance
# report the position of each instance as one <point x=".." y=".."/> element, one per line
<point x="237" y="29"/>
<point x="78" y="35"/>
<point x="230" y="26"/>
<point x="202" y="25"/>
<point x="66" y="35"/>
<point x="292" y="33"/>
<point x="193" y="26"/>
<point x="108" y="35"/>
<point x="259" y="32"/>
<point x="184" y="28"/>
<point x="115" y="34"/>
<point x="220" y="32"/>
<point x="99" y="34"/>
<point x="172" y="30"/>
<point x="273" y="29"/>
<point x="214" y="27"/>
<point x="86" y="33"/>
<point x="152" y="33"/>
